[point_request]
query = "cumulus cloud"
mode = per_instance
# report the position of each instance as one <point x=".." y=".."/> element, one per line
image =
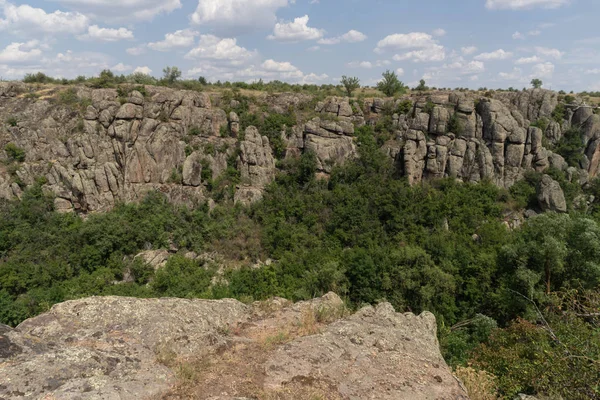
<point x="426" y="48"/>
<point x="360" y="64"/>
<point x="524" y="4"/>
<point x="120" y="67"/>
<point x="25" y="19"/>
<point x="549" y="52"/>
<point x="499" y="54"/>
<point x="430" y="54"/>
<point x="351" y="36"/>
<point x="211" y="47"/>
<point x="529" y="60"/>
<point x="518" y="36"/>
<point x="142" y="70"/>
<point x="295" y="31"/>
<point x="237" y="16"/>
<point x="110" y="11"/>
<point x="178" y="39"/>
<point x="106" y="34"/>
<point x="439" y="32"/>
<point x="16" y="53"/>
<point x="136" y="51"/>
<point x="544" y="70"/>
<point x="468" y="50"/>
<point x="405" y="41"/>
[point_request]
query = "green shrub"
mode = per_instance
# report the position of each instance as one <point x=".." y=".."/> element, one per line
<point x="14" y="152"/>
<point x="12" y="121"/>
<point x="570" y="147"/>
<point x="541" y="123"/>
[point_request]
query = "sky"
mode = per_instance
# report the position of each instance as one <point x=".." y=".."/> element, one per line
<point x="449" y="43"/>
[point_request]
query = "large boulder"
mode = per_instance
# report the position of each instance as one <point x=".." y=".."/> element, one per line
<point x="125" y="348"/>
<point x="550" y="195"/>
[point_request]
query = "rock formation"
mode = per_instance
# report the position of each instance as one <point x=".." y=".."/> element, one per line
<point x="94" y="147"/>
<point x="104" y="348"/>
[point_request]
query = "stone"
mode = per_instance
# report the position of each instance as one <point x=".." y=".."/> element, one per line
<point x="550" y="195"/>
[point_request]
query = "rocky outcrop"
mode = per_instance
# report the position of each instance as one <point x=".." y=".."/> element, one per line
<point x="550" y="195"/>
<point x="256" y="165"/>
<point x="104" y="348"/>
<point x="95" y="147"/>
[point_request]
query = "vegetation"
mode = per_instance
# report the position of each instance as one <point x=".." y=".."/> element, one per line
<point x="350" y="84"/>
<point x="570" y="146"/>
<point x="14" y="152"/>
<point x="422" y="86"/>
<point x="171" y="74"/>
<point x="390" y="85"/>
<point x="536" y="83"/>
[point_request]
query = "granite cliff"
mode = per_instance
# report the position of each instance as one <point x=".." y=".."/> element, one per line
<point x="95" y="147"/>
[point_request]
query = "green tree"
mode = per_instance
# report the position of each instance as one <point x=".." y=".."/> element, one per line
<point x="422" y="86"/>
<point x="536" y="83"/>
<point x="390" y="85"/>
<point x="171" y="74"/>
<point x="350" y="84"/>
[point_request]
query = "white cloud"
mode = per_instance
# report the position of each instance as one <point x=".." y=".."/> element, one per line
<point x="594" y="71"/>
<point x="466" y="68"/>
<point x="313" y="78"/>
<point x="439" y="32"/>
<point x="120" y="67"/>
<point x="20" y="52"/>
<point x="529" y="60"/>
<point x="26" y="19"/>
<point x="237" y="16"/>
<point x="515" y="75"/>
<point x="524" y="4"/>
<point x="295" y="31"/>
<point x="413" y="40"/>
<point x="360" y="64"/>
<point x="545" y="70"/>
<point x="400" y="72"/>
<point x="211" y="47"/>
<point x="178" y="39"/>
<point x="106" y="34"/>
<point x="110" y="11"/>
<point x="468" y="50"/>
<point x="142" y="70"/>
<point x="136" y="51"/>
<point x="548" y="52"/>
<point x="499" y="54"/>
<point x="534" y="33"/>
<point x="275" y="66"/>
<point x="351" y="36"/>
<point x="314" y="48"/>
<point x="518" y="36"/>
<point x="431" y="54"/>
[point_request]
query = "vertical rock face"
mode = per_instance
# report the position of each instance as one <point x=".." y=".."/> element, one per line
<point x="111" y="145"/>
<point x="119" y="149"/>
<point x="256" y="165"/>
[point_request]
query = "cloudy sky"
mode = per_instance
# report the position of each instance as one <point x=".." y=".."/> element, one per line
<point x="449" y="43"/>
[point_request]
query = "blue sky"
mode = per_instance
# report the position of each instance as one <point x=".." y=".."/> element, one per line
<point x="449" y="43"/>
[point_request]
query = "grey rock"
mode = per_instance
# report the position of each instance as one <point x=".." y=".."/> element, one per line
<point x="550" y="195"/>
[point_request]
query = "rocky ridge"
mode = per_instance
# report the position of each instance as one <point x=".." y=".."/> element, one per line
<point x="125" y="348"/>
<point x="96" y="147"/>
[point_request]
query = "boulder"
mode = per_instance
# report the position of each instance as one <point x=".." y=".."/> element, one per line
<point x="550" y="195"/>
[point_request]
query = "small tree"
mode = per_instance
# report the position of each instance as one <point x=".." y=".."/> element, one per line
<point x="351" y="84"/>
<point x="202" y="80"/>
<point x="171" y="74"/>
<point x="422" y="86"/>
<point x="536" y="83"/>
<point x="390" y="84"/>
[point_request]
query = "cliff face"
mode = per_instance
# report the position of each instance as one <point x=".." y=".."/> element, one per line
<point x="124" y="348"/>
<point x="95" y="147"/>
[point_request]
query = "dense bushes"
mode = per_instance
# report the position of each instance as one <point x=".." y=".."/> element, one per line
<point x="363" y="233"/>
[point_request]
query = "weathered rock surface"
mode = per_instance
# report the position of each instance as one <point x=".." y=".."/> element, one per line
<point x="107" y="348"/>
<point x="550" y="195"/>
<point x="106" y="148"/>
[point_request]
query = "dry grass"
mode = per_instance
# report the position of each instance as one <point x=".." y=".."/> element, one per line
<point x="480" y="385"/>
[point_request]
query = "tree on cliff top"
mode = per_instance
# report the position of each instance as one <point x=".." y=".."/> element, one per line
<point x="171" y="74"/>
<point x="350" y="84"/>
<point x="536" y="83"/>
<point x="390" y="84"/>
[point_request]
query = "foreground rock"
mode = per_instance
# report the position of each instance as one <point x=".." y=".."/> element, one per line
<point x="124" y="348"/>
